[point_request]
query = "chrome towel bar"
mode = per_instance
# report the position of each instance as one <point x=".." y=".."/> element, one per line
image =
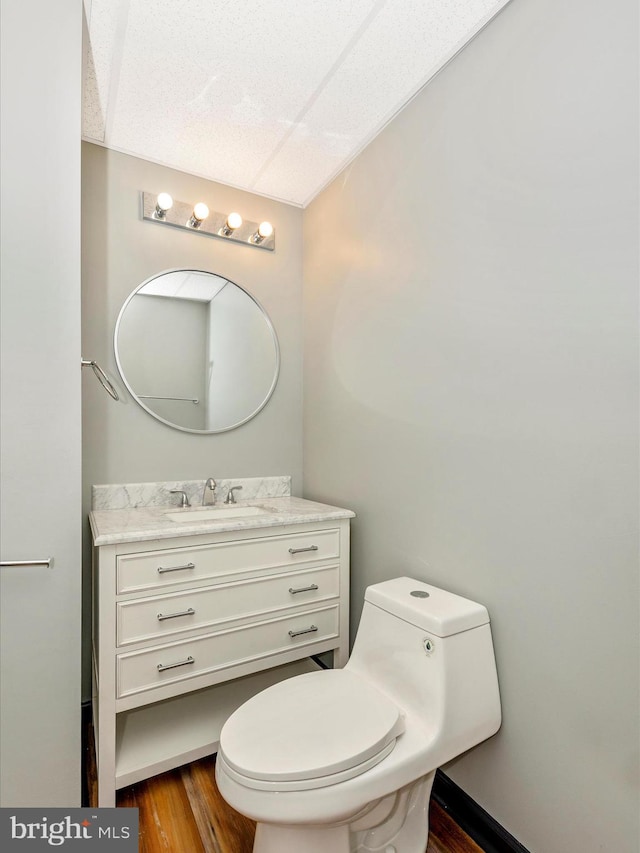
<point x="193" y="400"/>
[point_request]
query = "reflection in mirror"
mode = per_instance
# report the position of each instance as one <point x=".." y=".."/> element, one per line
<point x="196" y="351"/>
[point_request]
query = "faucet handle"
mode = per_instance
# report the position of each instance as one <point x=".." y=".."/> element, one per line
<point x="185" y="500"/>
<point x="230" y="499"/>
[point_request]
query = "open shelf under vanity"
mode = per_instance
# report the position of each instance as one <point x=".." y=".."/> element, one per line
<point x="155" y="738"/>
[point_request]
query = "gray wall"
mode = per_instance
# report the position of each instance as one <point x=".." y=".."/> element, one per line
<point x="162" y="347"/>
<point x="239" y="376"/>
<point x="121" y="442"/>
<point x="471" y="390"/>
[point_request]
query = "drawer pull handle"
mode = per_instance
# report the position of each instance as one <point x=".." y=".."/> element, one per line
<point x="163" y="666"/>
<point x="300" y="550"/>
<point x="162" y="569"/>
<point x="163" y="616"/>
<point x="308" y="630"/>
<point x="312" y="588"/>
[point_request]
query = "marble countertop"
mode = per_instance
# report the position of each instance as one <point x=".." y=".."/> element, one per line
<point x="111" y="526"/>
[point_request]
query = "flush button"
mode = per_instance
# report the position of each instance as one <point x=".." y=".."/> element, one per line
<point x="419" y="593"/>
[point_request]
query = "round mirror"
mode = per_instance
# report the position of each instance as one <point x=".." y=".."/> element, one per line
<point x="196" y="351"/>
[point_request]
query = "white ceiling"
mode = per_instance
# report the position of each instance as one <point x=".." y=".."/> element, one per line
<point x="185" y="284"/>
<point x="271" y="96"/>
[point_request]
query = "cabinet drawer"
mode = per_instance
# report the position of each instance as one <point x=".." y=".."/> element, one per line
<point x="154" y="569"/>
<point x="138" y="671"/>
<point x="164" y="615"/>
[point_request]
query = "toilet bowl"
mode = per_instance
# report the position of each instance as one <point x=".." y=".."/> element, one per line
<point x="344" y="760"/>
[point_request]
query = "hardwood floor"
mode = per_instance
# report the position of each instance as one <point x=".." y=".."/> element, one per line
<point x="182" y="811"/>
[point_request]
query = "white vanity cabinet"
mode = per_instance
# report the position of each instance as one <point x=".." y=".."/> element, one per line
<point x="187" y="628"/>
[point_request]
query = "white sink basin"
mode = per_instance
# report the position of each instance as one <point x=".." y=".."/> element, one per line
<point x="192" y="516"/>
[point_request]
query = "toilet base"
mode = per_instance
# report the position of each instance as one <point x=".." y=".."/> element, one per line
<point x="398" y="823"/>
<point x="294" y="839"/>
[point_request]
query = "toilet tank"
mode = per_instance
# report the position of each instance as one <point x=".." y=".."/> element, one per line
<point x="436" y="611"/>
<point x="431" y="652"/>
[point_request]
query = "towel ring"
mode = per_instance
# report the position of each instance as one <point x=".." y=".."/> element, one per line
<point x="101" y="377"/>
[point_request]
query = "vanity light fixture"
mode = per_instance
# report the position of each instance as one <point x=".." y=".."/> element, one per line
<point x="198" y="216"/>
<point x="234" y="220"/>
<point x="164" y="202"/>
<point x="199" y="219"/>
<point x="265" y="230"/>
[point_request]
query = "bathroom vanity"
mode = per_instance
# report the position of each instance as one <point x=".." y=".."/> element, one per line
<point x="196" y="610"/>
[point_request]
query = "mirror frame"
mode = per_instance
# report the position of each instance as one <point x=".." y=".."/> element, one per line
<point x="153" y="414"/>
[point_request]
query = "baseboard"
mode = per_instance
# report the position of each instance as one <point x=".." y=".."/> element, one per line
<point x="472" y="818"/>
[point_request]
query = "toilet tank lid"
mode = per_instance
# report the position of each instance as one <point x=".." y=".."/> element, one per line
<point x="434" y="610"/>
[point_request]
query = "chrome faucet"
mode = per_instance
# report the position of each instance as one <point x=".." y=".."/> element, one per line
<point x="209" y="492"/>
<point x="185" y="500"/>
<point x="230" y="499"/>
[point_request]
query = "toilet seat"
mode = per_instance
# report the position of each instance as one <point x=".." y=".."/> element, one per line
<point x="309" y="731"/>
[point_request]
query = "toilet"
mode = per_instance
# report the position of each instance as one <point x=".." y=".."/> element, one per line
<point x="344" y="760"/>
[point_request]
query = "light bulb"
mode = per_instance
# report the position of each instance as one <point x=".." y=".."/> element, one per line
<point x="200" y="211"/>
<point x="265" y="229"/>
<point x="234" y="220"/>
<point x="164" y="202"/>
